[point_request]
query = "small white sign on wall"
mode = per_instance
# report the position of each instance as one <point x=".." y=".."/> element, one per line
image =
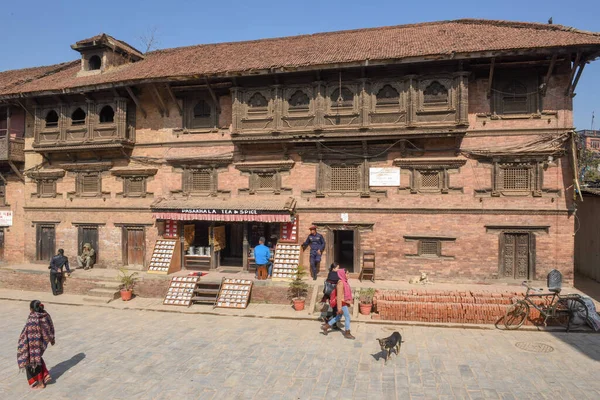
<point x="5" y="218"/>
<point x="344" y="217"/>
<point x="389" y="176"/>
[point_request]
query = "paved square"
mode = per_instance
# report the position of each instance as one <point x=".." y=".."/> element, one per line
<point x="103" y="353"/>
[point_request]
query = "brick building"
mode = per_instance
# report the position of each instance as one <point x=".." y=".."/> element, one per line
<point x="590" y="139"/>
<point x="444" y="147"/>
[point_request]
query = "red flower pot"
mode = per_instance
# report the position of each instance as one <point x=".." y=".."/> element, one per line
<point x="365" y="309"/>
<point x="126" y="294"/>
<point x="298" y="304"/>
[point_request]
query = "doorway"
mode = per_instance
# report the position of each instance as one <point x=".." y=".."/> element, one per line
<point x="45" y="240"/>
<point x="232" y="254"/>
<point x="88" y="234"/>
<point x="343" y="248"/>
<point x="1" y="244"/>
<point x="516" y="256"/>
<point x="133" y="246"/>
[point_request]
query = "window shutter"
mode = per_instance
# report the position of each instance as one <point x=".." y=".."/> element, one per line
<point x="135" y="186"/>
<point x="90" y="184"/>
<point x="46" y="188"/>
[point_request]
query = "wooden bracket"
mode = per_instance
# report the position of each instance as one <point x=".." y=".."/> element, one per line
<point x="136" y="101"/>
<point x="212" y="94"/>
<point x="172" y="95"/>
<point x="491" y="78"/>
<point x="2" y="178"/>
<point x="579" y="72"/>
<point x="162" y="107"/>
<point x="25" y="108"/>
<point x="549" y="73"/>
<point x="16" y="171"/>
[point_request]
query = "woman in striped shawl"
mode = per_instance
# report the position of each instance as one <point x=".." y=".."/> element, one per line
<point x="35" y="337"/>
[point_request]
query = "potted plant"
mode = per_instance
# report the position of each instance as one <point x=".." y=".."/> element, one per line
<point x="298" y="290"/>
<point x="128" y="281"/>
<point x="365" y="297"/>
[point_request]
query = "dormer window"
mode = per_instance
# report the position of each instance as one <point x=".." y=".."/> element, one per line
<point x="51" y="119"/>
<point x="107" y="115"/>
<point x="78" y="117"/>
<point x="94" y="63"/>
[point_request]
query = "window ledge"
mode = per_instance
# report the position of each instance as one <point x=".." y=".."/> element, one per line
<point x="428" y="257"/>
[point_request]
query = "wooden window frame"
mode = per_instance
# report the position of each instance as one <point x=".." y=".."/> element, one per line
<point x="128" y="182"/>
<point x="41" y="188"/>
<point x="535" y="178"/>
<point x="386" y="102"/>
<point x="254" y="182"/>
<point x="80" y="182"/>
<point x="324" y="176"/>
<point x="421" y="241"/>
<point x="187" y="181"/>
<point x="530" y="82"/>
<point x="2" y="192"/>
<point x="299" y="108"/>
<point x="422" y="245"/>
<point x="190" y="123"/>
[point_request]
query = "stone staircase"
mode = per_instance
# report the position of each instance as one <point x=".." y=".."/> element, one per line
<point x="104" y="292"/>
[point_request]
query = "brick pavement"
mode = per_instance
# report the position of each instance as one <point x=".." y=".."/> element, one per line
<point x="104" y="353"/>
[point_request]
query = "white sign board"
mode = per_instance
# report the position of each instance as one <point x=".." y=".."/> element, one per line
<point x="384" y="176"/>
<point x="5" y="218"/>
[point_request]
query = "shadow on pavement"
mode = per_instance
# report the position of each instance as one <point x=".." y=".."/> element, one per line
<point x="59" y="369"/>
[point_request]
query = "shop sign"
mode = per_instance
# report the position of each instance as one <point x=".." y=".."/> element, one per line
<point x="218" y="211"/>
<point x="389" y="176"/>
<point x="6" y="218"/>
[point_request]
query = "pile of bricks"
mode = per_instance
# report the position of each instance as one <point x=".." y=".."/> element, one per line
<point x="421" y="305"/>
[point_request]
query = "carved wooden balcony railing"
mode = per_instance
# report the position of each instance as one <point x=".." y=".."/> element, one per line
<point x="11" y="146"/>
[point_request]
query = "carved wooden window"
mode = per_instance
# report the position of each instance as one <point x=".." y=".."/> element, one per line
<point x="264" y="182"/>
<point x="51" y="119"/>
<point x="435" y="94"/>
<point x="134" y="186"/>
<point x="430" y="181"/>
<point x="94" y="63"/>
<point x="199" y="113"/>
<point x="299" y="101"/>
<point x="258" y="102"/>
<point x="387" y="95"/>
<point x="517" y="178"/>
<point x="89" y="184"/>
<point x="344" y="178"/>
<point x="2" y="193"/>
<point x="430" y="248"/>
<point x="514" y="98"/>
<point x="78" y="117"/>
<point x="46" y="187"/>
<point x="107" y="115"/>
<point x="343" y="98"/>
<point x="199" y="181"/>
<point x="202" y="110"/>
<point x="515" y="94"/>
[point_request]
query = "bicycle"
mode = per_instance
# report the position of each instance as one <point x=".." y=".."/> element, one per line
<point x="560" y="308"/>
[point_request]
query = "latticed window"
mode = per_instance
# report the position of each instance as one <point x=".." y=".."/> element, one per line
<point x="135" y="186"/>
<point x="435" y="93"/>
<point x="516" y="178"/>
<point x="514" y="98"/>
<point x="344" y="178"/>
<point x="89" y="183"/>
<point x="343" y="98"/>
<point x="2" y="193"/>
<point x="258" y="101"/>
<point x="46" y="187"/>
<point x="429" y="248"/>
<point x="387" y="95"/>
<point x="266" y="181"/>
<point x="430" y="179"/>
<point x="299" y="100"/>
<point x="198" y="181"/>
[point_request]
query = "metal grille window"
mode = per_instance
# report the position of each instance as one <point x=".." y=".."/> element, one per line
<point x="429" y="248"/>
<point x="516" y="178"/>
<point x="344" y="178"/>
<point x="430" y="180"/>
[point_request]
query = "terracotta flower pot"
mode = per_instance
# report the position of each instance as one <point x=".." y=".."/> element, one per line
<point x="298" y="304"/>
<point x="365" y="309"/>
<point x="126" y="294"/>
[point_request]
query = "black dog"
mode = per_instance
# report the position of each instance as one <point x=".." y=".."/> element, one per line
<point x="389" y="343"/>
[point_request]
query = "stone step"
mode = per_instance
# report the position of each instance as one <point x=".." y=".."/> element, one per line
<point x="104" y="293"/>
<point x="108" y="284"/>
<point x="97" y="300"/>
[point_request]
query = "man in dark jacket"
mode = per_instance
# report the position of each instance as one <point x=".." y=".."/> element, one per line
<point x="56" y="271"/>
<point x="316" y="241"/>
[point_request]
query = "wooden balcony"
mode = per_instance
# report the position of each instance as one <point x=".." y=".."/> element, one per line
<point x="11" y="146"/>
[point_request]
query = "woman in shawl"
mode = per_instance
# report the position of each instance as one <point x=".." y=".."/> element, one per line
<point x="340" y="299"/>
<point x="35" y="337"/>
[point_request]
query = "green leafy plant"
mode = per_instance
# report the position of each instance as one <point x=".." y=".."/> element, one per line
<point x="128" y="280"/>
<point x="298" y="289"/>
<point x="365" y="295"/>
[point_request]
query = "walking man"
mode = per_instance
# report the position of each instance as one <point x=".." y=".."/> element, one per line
<point x="56" y="271"/>
<point x="316" y="241"/>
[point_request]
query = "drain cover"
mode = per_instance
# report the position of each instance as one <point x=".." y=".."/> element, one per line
<point x="534" y="347"/>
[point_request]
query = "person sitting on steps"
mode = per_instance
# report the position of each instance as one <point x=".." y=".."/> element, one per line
<point x="87" y="258"/>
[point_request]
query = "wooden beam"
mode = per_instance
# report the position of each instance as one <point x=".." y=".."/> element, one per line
<point x="212" y="94"/>
<point x="16" y="170"/>
<point x="549" y="73"/>
<point x="25" y="108"/>
<point x="219" y="85"/>
<point x="2" y="178"/>
<point x="579" y="72"/>
<point x="575" y="64"/>
<point x="116" y="92"/>
<point x="160" y="100"/>
<point x="136" y="101"/>
<point x="491" y="78"/>
<point x="172" y="95"/>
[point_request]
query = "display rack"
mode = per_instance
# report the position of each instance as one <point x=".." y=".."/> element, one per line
<point x="286" y="260"/>
<point x="289" y="232"/>
<point x="234" y="293"/>
<point x="170" y="229"/>
<point x="181" y="290"/>
<point x="166" y="257"/>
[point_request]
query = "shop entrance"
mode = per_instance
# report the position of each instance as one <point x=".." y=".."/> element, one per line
<point x="233" y="253"/>
<point x="343" y="248"/>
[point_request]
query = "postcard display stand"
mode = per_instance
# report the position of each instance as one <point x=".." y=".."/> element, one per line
<point x="166" y="257"/>
<point x="234" y="293"/>
<point x="181" y="290"/>
<point x="285" y="263"/>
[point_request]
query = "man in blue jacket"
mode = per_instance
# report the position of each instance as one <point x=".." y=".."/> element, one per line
<point x="262" y="255"/>
<point x="316" y="241"/>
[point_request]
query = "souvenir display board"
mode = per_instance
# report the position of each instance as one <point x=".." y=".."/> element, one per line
<point x="181" y="290"/>
<point x="289" y="232"/>
<point x="285" y="263"/>
<point x="170" y="229"/>
<point x="234" y="293"/>
<point x="166" y="257"/>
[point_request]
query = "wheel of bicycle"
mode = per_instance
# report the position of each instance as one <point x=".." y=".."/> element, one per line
<point x="578" y="310"/>
<point x="516" y="314"/>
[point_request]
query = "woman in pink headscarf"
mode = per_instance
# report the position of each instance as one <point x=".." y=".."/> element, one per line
<point x="340" y="299"/>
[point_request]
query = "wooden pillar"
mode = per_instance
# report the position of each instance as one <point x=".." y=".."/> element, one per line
<point x="245" y="247"/>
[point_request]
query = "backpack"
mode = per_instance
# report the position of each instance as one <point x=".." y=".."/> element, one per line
<point x="328" y="288"/>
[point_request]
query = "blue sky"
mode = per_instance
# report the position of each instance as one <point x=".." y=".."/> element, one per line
<point x="37" y="32"/>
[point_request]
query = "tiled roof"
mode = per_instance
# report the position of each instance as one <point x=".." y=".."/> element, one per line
<point x="103" y="37"/>
<point x="386" y="44"/>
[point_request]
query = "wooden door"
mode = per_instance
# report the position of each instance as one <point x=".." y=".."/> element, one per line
<point x="46" y="238"/>
<point x="516" y="256"/>
<point x="134" y="246"/>
<point x="88" y="234"/>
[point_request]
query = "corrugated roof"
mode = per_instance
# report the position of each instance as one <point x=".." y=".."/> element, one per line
<point x="392" y="43"/>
